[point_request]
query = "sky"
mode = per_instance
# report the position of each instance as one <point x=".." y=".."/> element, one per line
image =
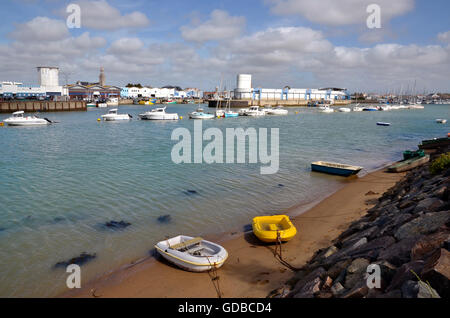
<point x="206" y="43"/>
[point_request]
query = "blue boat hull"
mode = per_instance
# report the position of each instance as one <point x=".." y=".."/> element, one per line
<point x="334" y="171"/>
<point x="231" y="115"/>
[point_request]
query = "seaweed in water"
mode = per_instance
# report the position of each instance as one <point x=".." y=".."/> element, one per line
<point x="190" y="192"/>
<point x="79" y="260"/>
<point x="164" y="218"/>
<point x="117" y="225"/>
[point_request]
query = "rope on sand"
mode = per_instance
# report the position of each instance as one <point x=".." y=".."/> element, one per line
<point x="214" y="276"/>
<point x="278" y="255"/>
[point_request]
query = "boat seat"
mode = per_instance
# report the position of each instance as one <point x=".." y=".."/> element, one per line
<point x="186" y="243"/>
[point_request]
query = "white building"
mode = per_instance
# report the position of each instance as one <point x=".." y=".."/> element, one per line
<point x="152" y="92"/>
<point x="48" y="80"/>
<point x="244" y="90"/>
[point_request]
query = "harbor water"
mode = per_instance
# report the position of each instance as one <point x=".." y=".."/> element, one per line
<point x="60" y="184"/>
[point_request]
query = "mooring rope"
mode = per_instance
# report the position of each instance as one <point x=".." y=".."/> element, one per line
<point x="279" y="256"/>
<point x="214" y="276"/>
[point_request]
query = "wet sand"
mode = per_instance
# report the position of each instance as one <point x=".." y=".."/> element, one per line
<point x="251" y="269"/>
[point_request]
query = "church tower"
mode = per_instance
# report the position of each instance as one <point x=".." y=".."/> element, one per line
<point x="102" y="77"/>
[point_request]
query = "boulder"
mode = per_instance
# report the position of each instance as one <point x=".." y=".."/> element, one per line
<point x="309" y="284"/>
<point x="437" y="272"/>
<point x="418" y="289"/>
<point x="359" y="235"/>
<point x="333" y="249"/>
<point x="424" y="224"/>
<point x="428" y="244"/>
<point x="337" y="289"/>
<point x="356" y="272"/>
<point x="359" y="291"/>
<point x="400" y="252"/>
<point x="404" y="273"/>
<point x="406" y="204"/>
<point x="373" y="248"/>
<point x="337" y="268"/>
<point x="428" y="205"/>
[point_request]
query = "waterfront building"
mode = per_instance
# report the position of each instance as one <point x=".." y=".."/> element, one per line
<point x="93" y="92"/>
<point x="245" y="91"/>
<point x="48" y="86"/>
<point x="160" y="93"/>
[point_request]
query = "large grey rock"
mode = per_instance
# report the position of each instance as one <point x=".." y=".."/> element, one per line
<point x="350" y="240"/>
<point x="337" y="289"/>
<point x="428" y="244"/>
<point x="356" y="272"/>
<point x="372" y="248"/>
<point x="437" y="272"/>
<point x="429" y="204"/>
<point x="418" y="289"/>
<point x="308" y="285"/>
<point x="423" y="225"/>
<point x="400" y="252"/>
<point x="337" y="268"/>
<point x="404" y="273"/>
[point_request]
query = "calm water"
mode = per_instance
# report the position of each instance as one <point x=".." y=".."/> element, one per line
<point x="59" y="183"/>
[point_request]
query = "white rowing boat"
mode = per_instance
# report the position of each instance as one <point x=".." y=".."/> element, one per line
<point x="192" y="254"/>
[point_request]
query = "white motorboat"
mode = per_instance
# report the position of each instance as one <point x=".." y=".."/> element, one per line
<point x="416" y="106"/>
<point x="18" y="119"/>
<point x="200" y="114"/>
<point x="242" y="111"/>
<point x="441" y="121"/>
<point x="255" y="111"/>
<point x="279" y="110"/>
<point x="326" y="109"/>
<point x="192" y="254"/>
<point x="112" y="115"/>
<point x="344" y="110"/>
<point x="158" y="114"/>
<point x="113" y="102"/>
<point x="102" y="105"/>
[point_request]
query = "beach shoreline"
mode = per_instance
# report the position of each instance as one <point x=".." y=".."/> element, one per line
<point x="251" y="269"/>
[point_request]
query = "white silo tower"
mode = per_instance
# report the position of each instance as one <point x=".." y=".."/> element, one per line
<point x="243" y="86"/>
<point x="48" y="76"/>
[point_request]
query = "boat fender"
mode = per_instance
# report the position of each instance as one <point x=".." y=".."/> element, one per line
<point x="2" y="124"/>
<point x="98" y="119"/>
<point x="181" y="117"/>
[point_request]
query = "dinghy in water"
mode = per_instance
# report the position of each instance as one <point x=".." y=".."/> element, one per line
<point x="192" y="254"/>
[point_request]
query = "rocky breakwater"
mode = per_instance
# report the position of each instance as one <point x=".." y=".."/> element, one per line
<point x="406" y="236"/>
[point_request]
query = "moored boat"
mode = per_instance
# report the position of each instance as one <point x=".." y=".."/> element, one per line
<point x="271" y="229"/>
<point x="192" y="254"/>
<point x="441" y="121"/>
<point x="335" y="168"/>
<point x="200" y="114"/>
<point x="114" y="116"/>
<point x="409" y="164"/>
<point x="18" y="119"/>
<point x="383" y="124"/>
<point x="279" y="110"/>
<point x="255" y="111"/>
<point x="344" y="110"/>
<point x="435" y="143"/>
<point x="370" y="109"/>
<point x="158" y="114"/>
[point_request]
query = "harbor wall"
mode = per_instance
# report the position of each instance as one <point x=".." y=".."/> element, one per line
<point x="277" y="102"/>
<point x="42" y="106"/>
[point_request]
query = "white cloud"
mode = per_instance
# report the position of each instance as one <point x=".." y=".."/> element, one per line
<point x="40" y="29"/>
<point x="339" y="13"/>
<point x="444" y="37"/>
<point x="126" y="46"/>
<point x="219" y="27"/>
<point x="102" y="16"/>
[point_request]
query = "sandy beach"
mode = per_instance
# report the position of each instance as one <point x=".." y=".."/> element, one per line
<point x="251" y="269"/>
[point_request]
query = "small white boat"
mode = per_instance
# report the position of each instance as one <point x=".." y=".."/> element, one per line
<point x="441" y="121"/>
<point x="370" y="109"/>
<point x="326" y="109"/>
<point x="200" y="114"/>
<point x="113" y="116"/>
<point x="113" y="102"/>
<point x="158" y="114"/>
<point x="102" y="105"/>
<point x="192" y="254"/>
<point x="255" y="111"/>
<point x="242" y="111"/>
<point x="279" y="110"/>
<point x="91" y="105"/>
<point x="383" y="124"/>
<point x="18" y="119"/>
<point x="344" y="110"/>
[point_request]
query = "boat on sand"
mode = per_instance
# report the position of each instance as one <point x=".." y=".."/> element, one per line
<point x="271" y="229"/>
<point x="406" y="165"/>
<point x="335" y="168"/>
<point x="192" y="254"/>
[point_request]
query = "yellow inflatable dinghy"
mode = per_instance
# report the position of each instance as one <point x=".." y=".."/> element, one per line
<point x="268" y="228"/>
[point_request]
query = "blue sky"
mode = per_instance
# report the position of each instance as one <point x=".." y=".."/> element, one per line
<point x="301" y="43"/>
